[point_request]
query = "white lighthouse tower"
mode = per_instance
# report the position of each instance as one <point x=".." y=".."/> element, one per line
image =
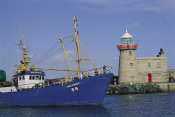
<point x="127" y="59"/>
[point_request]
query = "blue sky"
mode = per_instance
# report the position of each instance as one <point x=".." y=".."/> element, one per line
<point x="101" y="23"/>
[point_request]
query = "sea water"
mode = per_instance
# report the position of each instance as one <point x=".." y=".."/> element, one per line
<point x="140" y="105"/>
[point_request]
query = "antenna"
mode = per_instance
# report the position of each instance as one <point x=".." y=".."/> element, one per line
<point x="126" y="30"/>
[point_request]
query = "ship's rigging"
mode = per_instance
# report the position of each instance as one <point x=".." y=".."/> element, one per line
<point x="75" y="38"/>
<point x="61" y="41"/>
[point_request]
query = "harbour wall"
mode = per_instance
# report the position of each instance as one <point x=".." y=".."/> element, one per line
<point x="141" y="88"/>
<point x="167" y="87"/>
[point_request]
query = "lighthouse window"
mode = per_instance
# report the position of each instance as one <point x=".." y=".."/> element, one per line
<point x="149" y="65"/>
<point x="33" y="77"/>
<point x="131" y="64"/>
<point x="30" y="77"/>
<point x="158" y="65"/>
<point x="130" y="52"/>
<point x="131" y="41"/>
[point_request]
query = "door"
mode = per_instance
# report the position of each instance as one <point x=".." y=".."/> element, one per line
<point x="149" y="77"/>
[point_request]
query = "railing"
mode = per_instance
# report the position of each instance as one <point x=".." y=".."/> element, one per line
<point x="64" y="81"/>
<point x="83" y="75"/>
<point x="127" y="46"/>
<point x="98" y="71"/>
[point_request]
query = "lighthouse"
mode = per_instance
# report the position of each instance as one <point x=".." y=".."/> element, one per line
<point x="127" y="59"/>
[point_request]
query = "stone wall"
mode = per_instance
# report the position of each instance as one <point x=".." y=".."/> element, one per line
<point x="157" y="66"/>
<point x="167" y="87"/>
<point x="127" y="66"/>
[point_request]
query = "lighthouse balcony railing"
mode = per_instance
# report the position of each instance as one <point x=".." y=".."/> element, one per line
<point x="127" y="46"/>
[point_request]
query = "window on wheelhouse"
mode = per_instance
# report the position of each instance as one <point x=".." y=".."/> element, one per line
<point x="23" y="77"/>
<point x="30" y="77"/>
<point x="42" y="78"/>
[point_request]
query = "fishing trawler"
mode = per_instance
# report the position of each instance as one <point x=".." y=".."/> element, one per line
<point x="31" y="88"/>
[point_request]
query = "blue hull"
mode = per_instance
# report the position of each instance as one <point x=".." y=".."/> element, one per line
<point x="90" y="91"/>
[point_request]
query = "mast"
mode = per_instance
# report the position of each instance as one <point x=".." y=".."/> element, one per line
<point x="25" y="62"/>
<point x="77" y="44"/>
